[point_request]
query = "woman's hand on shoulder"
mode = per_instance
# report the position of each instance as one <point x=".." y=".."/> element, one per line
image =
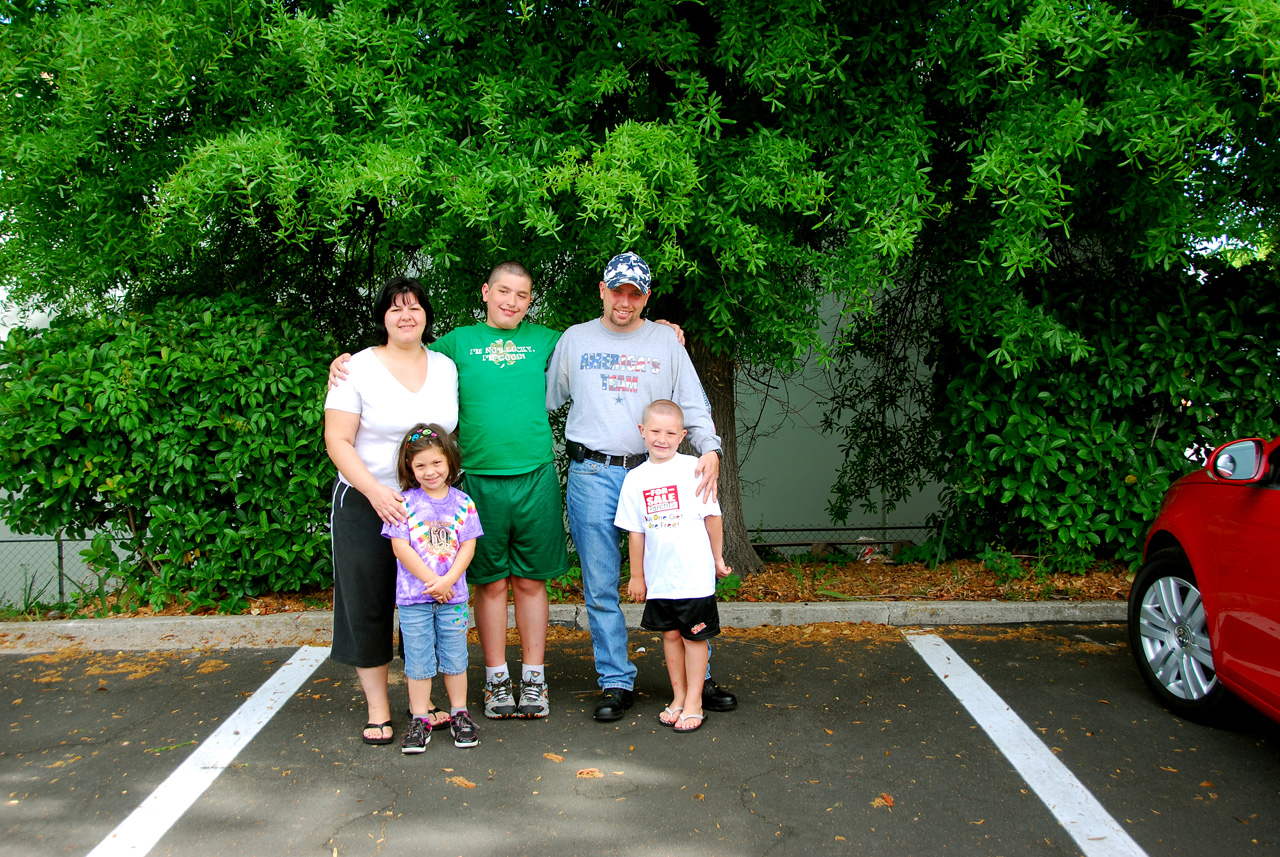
<point x="388" y="504"/>
<point x="338" y="369"/>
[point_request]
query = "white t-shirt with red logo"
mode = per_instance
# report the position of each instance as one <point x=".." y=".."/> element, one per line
<point x="661" y="501"/>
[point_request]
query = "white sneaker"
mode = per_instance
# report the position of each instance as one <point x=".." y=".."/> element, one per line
<point x="499" y="702"/>
<point x="533" y="699"/>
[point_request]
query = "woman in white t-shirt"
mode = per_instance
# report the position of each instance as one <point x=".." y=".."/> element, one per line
<point x="390" y="388"/>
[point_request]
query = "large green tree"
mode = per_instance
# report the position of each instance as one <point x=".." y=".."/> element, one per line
<point x="1063" y="333"/>
<point x="302" y="150"/>
<point x="761" y="155"/>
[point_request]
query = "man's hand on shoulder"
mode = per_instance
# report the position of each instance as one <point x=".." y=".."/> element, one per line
<point x="709" y="469"/>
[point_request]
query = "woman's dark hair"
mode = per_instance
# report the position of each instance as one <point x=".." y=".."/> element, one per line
<point x="425" y="436"/>
<point x="394" y="288"/>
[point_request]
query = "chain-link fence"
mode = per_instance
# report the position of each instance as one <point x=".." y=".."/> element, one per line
<point x="838" y="540"/>
<point x="42" y="570"/>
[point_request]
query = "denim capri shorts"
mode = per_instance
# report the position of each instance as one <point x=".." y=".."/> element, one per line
<point x="435" y="639"/>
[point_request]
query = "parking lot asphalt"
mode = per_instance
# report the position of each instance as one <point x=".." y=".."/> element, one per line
<point x="845" y="740"/>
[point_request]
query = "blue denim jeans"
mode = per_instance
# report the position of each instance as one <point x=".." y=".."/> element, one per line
<point x="435" y="639"/>
<point x="592" y="500"/>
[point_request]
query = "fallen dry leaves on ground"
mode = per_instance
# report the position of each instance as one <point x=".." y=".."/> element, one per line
<point x="871" y="635"/>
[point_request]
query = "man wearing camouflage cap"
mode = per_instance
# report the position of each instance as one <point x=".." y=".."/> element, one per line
<point x="610" y="369"/>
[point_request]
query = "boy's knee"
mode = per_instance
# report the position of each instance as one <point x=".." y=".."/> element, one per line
<point x="526" y="588"/>
<point x="493" y="589"/>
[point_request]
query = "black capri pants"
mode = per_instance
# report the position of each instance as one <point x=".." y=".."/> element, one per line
<point x="364" y="582"/>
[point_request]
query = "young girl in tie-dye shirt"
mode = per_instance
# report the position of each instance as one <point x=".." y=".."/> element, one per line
<point x="432" y="553"/>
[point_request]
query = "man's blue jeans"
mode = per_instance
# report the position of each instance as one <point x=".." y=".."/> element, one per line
<point x="592" y="500"/>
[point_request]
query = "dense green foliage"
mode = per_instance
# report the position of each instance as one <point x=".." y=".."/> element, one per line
<point x="191" y="433"/>
<point x="1072" y="456"/>
<point x="1021" y="354"/>
<point x="310" y="148"/>
<point x="1081" y="452"/>
<point x="761" y="155"/>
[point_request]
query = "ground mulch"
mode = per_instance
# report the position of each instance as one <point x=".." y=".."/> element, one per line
<point x="961" y="580"/>
<point x="795" y="581"/>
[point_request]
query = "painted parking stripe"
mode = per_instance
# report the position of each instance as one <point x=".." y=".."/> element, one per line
<point x="1095" y="832"/>
<point x="139" y="833"/>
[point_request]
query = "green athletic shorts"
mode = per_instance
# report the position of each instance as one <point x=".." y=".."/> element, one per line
<point x="523" y="520"/>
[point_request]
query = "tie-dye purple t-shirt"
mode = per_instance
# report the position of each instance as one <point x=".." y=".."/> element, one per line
<point x="436" y="528"/>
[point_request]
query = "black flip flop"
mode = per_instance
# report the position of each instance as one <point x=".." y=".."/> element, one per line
<point x="379" y="726"/>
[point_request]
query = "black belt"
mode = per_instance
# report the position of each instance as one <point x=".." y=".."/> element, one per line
<point x="578" y="452"/>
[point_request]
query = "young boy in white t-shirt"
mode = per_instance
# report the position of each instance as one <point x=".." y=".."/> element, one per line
<point x="677" y="552"/>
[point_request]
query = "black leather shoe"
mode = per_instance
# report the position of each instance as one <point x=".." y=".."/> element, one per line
<point x="716" y="698"/>
<point x="614" y="702"/>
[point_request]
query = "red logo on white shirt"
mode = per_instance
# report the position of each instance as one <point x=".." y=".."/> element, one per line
<point x="661" y="500"/>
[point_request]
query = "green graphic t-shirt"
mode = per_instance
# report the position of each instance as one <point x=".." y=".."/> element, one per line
<point x="502" y="391"/>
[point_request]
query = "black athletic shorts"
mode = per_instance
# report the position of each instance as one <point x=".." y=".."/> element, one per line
<point x="694" y="618"/>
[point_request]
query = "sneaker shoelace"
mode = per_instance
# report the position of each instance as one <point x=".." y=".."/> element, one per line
<point x="418" y="729"/>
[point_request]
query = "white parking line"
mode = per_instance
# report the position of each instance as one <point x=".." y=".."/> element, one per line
<point x="1094" y="830"/>
<point x="139" y="833"/>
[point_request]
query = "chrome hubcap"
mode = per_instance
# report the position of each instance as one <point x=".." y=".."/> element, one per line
<point x="1175" y="638"/>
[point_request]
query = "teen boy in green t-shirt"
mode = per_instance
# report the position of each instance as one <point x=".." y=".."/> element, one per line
<point x="507" y="452"/>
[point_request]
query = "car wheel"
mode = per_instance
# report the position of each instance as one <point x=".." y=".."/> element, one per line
<point x="1169" y="636"/>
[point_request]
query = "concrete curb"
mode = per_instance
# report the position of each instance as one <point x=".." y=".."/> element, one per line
<point x="314" y="628"/>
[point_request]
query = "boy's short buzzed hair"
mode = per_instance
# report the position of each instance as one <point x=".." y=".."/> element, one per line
<point x="663" y="406"/>
<point x="509" y="267"/>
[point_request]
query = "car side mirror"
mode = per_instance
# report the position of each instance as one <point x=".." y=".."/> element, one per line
<point x="1240" y="461"/>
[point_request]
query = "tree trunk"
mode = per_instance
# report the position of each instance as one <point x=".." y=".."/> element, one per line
<point x="718" y="379"/>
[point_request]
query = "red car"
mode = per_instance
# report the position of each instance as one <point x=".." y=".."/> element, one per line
<point x="1204" y="610"/>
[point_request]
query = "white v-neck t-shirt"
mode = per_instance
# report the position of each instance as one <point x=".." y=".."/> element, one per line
<point x="388" y="409"/>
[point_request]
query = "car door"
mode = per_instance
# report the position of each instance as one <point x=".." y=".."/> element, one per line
<point x="1242" y="525"/>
